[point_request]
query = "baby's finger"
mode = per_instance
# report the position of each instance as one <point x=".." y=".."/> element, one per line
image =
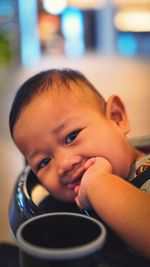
<point x="89" y="163"/>
<point x="78" y="203"/>
<point x="76" y="189"/>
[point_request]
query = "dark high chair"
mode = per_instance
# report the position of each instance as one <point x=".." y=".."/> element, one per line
<point x="30" y="198"/>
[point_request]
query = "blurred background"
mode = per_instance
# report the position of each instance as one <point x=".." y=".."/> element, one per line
<point x="108" y="40"/>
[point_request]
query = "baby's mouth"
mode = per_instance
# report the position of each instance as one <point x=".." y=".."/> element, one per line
<point x="72" y="185"/>
<point x="76" y="179"/>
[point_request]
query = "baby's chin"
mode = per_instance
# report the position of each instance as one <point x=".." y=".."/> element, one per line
<point x="67" y="196"/>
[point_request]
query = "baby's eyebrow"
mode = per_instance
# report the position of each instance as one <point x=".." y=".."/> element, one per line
<point x="60" y="126"/>
<point x="33" y="154"/>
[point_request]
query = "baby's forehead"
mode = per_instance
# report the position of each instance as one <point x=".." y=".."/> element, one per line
<point x="76" y="89"/>
<point x="62" y="91"/>
<point x="79" y="90"/>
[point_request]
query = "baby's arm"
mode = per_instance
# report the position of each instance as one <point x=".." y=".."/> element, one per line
<point x="122" y="206"/>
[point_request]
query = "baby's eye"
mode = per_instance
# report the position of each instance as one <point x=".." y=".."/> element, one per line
<point x="71" y="137"/>
<point x="43" y="163"/>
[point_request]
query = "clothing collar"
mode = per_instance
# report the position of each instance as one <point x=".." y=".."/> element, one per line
<point x="139" y="166"/>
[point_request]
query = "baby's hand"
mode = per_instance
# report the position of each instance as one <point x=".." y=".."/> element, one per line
<point x="99" y="164"/>
<point x="95" y="168"/>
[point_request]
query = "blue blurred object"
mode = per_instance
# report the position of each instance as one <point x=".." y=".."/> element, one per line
<point x="29" y="37"/>
<point x="127" y="44"/>
<point x="73" y="32"/>
<point x="6" y="9"/>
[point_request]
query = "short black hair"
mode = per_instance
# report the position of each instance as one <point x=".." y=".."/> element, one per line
<point x="42" y="81"/>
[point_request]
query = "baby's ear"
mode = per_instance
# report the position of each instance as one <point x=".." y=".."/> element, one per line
<point x="115" y="110"/>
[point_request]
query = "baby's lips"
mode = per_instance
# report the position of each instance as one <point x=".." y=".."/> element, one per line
<point x="70" y="186"/>
<point x="73" y="185"/>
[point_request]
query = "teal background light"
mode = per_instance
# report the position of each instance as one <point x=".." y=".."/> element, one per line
<point x="73" y="32"/>
<point x="29" y="36"/>
<point x="127" y="44"/>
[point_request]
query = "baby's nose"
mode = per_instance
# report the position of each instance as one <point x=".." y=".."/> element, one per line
<point x="66" y="165"/>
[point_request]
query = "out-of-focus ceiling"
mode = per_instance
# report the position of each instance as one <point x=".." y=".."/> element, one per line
<point x="100" y="3"/>
<point x="130" y="2"/>
<point x="97" y="4"/>
<point x="85" y="4"/>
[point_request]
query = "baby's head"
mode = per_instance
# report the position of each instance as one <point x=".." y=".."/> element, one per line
<point x="58" y="121"/>
<point x="58" y="81"/>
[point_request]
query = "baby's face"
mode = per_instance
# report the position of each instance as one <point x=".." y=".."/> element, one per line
<point x="58" y="134"/>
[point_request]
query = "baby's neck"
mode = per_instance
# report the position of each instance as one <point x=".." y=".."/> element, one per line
<point x="139" y="154"/>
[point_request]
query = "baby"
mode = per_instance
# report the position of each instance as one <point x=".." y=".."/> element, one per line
<point x="76" y="143"/>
